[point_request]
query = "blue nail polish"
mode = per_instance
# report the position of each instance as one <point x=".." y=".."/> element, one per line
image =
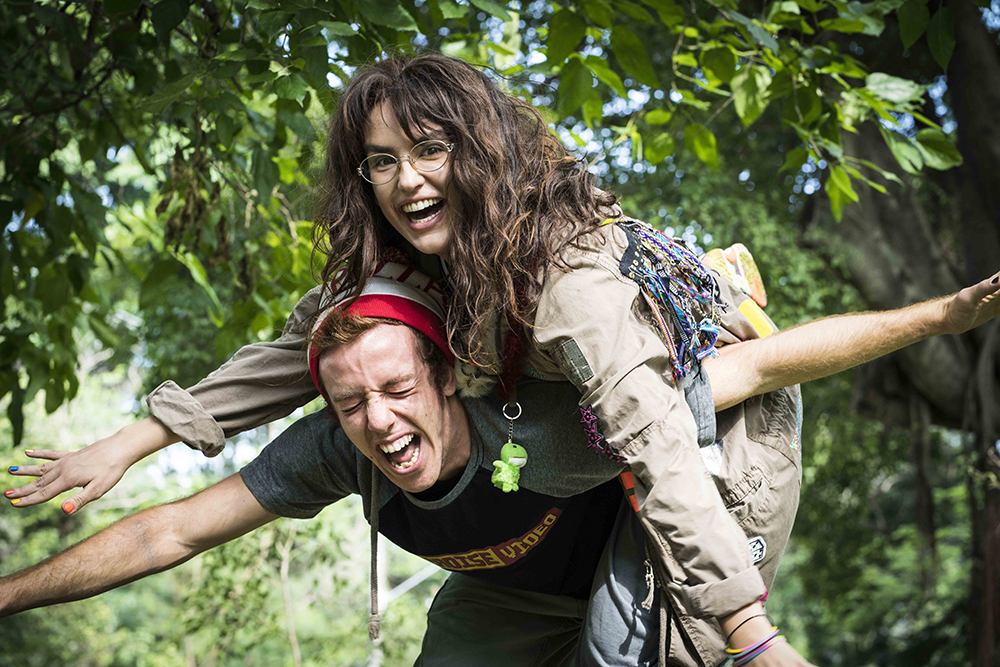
<point x="13" y="468"/>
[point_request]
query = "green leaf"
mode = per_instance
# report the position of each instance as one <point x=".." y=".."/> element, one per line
<point x="700" y="140"/>
<point x="600" y="12"/>
<point x="388" y="13"/>
<point x="338" y="29"/>
<point x="892" y="88"/>
<point x="606" y="75"/>
<point x="757" y="33"/>
<point x="53" y="289"/>
<point x="658" y="147"/>
<point x="490" y="8"/>
<point x="104" y="333"/>
<point x="658" y="117"/>
<point x="796" y="158"/>
<point x="685" y="60"/>
<point x="291" y="87"/>
<point x="838" y="188"/>
<point x="575" y="84"/>
<point x="941" y="37"/>
<point x="668" y="11"/>
<point x="55" y="392"/>
<point x="121" y="6"/>
<point x="165" y="96"/>
<point x="719" y="64"/>
<point x="239" y="55"/>
<point x="913" y="20"/>
<point x="200" y="276"/>
<point x="749" y="91"/>
<point x="937" y="150"/>
<point x="592" y="108"/>
<point x="635" y="11"/>
<point x="906" y="152"/>
<point x="566" y="31"/>
<point x="167" y="15"/>
<point x="632" y="56"/>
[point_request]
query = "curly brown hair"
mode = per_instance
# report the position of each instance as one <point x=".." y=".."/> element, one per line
<point x="521" y="197"/>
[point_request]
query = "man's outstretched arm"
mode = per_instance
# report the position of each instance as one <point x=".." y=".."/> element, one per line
<point x="145" y="543"/>
<point x="833" y="344"/>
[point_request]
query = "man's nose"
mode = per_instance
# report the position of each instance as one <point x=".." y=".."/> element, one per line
<point x="380" y="417"/>
<point x="409" y="177"/>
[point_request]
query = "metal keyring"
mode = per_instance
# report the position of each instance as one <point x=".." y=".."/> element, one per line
<point x="507" y="405"/>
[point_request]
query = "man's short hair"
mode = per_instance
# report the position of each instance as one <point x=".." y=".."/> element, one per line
<point x="339" y="329"/>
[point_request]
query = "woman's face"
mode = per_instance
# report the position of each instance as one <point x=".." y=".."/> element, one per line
<point x="417" y="204"/>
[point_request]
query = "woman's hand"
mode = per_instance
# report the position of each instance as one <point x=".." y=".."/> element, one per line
<point x="95" y="468"/>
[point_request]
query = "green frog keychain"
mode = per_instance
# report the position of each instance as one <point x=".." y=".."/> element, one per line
<point x="512" y="458"/>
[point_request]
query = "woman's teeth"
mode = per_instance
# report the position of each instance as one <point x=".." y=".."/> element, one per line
<point x="420" y="205"/>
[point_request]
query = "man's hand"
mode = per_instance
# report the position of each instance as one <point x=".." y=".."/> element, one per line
<point x="972" y="306"/>
<point x="95" y="468"/>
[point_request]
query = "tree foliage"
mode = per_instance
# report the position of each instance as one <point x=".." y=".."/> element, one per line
<point x="195" y="124"/>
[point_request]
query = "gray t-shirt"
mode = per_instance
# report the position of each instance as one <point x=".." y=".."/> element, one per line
<point x="313" y="464"/>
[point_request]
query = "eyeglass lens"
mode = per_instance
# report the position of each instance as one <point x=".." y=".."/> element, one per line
<point x="425" y="156"/>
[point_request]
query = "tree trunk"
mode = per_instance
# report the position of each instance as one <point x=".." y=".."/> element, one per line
<point x="931" y="237"/>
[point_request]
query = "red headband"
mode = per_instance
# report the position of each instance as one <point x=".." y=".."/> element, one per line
<point x="396" y="292"/>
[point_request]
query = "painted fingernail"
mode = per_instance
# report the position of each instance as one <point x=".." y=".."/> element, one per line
<point x="996" y="280"/>
<point x="13" y="468"/>
<point x="68" y="507"/>
<point x="8" y="493"/>
<point x="15" y="501"/>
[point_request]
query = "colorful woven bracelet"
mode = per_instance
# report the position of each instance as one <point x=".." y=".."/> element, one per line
<point x="739" y="653"/>
<point x="742" y="661"/>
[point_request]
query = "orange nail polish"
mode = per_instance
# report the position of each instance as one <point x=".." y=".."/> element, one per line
<point x="15" y="501"/>
<point x="68" y="507"/>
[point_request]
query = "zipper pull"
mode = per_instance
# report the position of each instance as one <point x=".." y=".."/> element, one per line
<point x="647" y="604"/>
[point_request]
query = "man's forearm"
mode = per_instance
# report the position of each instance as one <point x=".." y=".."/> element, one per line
<point x="148" y="542"/>
<point x="130" y="549"/>
<point x="818" y="349"/>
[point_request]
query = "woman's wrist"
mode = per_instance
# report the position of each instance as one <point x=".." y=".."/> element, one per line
<point x="746" y="626"/>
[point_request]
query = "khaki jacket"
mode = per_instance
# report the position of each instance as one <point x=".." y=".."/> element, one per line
<point x="717" y="517"/>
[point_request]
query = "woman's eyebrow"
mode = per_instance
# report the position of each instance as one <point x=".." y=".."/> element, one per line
<point x="371" y="148"/>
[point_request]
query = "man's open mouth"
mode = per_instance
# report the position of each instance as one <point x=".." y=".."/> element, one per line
<point x="402" y="453"/>
<point x="422" y="210"/>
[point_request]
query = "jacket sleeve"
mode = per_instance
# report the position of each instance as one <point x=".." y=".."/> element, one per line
<point x="592" y="321"/>
<point x="262" y="382"/>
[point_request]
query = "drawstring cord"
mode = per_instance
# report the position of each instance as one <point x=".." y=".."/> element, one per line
<point x="374" y="620"/>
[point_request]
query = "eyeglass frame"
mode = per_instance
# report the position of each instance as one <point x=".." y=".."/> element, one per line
<point x="399" y="161"/>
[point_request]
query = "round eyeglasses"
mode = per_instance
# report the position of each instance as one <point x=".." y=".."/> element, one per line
<point x="427" y="156"/>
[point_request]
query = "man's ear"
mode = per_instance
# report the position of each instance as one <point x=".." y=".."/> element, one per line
<point x="450" y="384"/>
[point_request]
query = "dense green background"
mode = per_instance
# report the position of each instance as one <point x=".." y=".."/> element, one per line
<point x="156" y="166"/>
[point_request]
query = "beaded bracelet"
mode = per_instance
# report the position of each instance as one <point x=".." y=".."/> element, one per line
<point x="744" y="655"/>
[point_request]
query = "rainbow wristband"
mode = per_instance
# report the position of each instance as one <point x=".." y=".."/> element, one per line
<point x="748" y="658"/>
<point x="739" y="654"/>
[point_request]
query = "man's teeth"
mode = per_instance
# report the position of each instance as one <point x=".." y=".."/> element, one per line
<point x="403" y="465"/>
<point x="421" y="205"/>
<point x="397" y="445"/>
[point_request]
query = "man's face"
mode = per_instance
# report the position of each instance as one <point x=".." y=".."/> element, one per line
<point x="389" y="407"/>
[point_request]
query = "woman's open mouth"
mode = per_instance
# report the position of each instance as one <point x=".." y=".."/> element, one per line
<point x="425" y="211"/>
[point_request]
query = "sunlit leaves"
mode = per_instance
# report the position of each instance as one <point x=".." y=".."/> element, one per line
<point x="839" y="190"/>
<point x="757" y="33"/>
<point x="699" y="140"/>
<point x="750" y="92"/>
<point x="491" y="8"/>
<point x="606" y="75"/>
<point x="566" y="31"/>
<point x="892" y="88"/>
<point x="632" y="56"/>
<point x="719" y="65"/>
<point x="937" y="150"/>
<point x="576" y="83"/>
<point x="658" y="116"/>
<point x="388" y="13"/>
<point x="658" y="147"/>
